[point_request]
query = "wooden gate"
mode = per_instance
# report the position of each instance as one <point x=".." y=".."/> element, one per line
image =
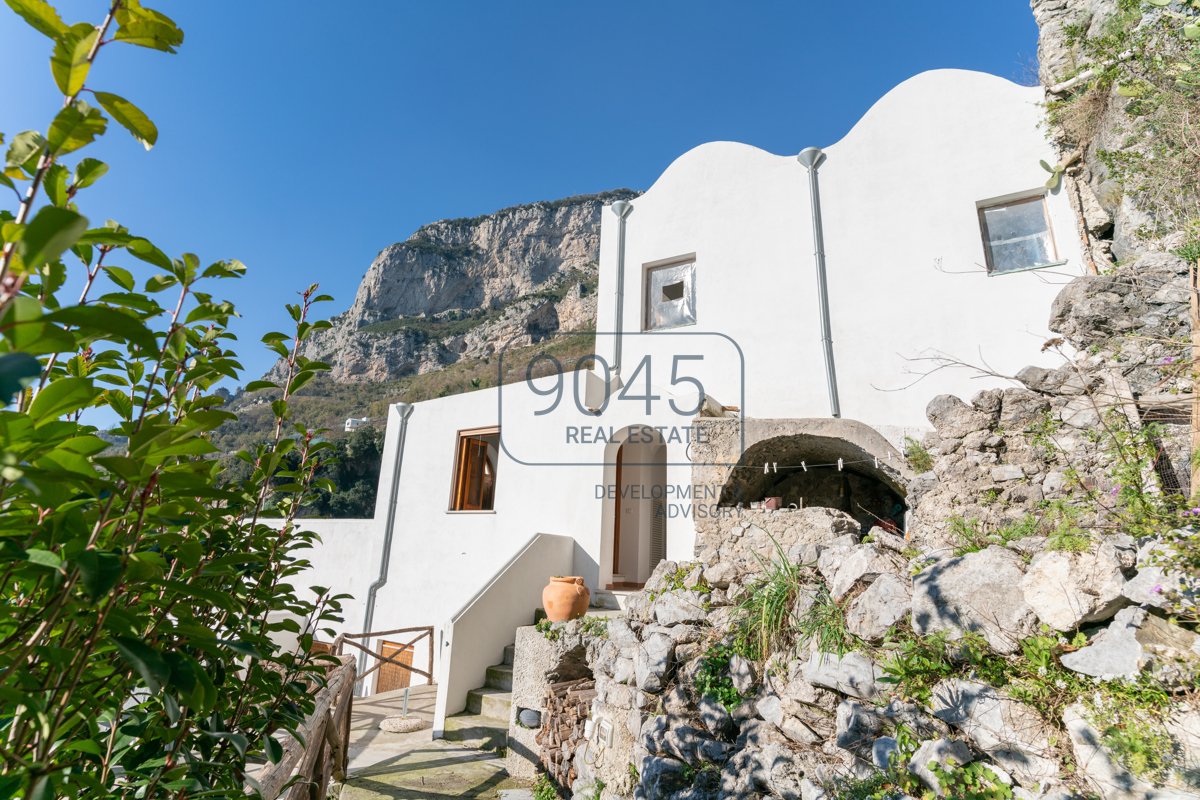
<point x="390" y="654"/>
<point x="396" y="671"/>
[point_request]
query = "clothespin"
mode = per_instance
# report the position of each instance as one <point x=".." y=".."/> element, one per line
<point x="774" y="466"/>
<point x="765" y="470"/>
<point x="839" y="465"/>
<point x="876" y="462"/>
<point x="804" y="465"/>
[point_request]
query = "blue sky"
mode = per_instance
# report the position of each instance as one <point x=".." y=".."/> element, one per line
<point x="303" y="140"/>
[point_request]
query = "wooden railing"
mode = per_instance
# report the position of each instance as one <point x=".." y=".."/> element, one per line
<point x="317" y="755"/>
<point x="340" y="643"/>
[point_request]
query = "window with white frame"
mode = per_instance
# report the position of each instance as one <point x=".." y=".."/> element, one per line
<point x="1017" y="235"/>
<point x="670" y="295"/>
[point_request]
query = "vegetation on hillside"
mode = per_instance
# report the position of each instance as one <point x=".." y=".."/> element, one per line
<point x="325" y="403"/>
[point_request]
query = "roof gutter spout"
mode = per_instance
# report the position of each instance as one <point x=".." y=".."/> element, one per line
<point x="812" y="158"/>
<point x="404" y="411"/>
<point x="622" y="208"/>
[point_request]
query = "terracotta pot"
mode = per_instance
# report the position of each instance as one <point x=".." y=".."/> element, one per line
<point x="565" y="597"/>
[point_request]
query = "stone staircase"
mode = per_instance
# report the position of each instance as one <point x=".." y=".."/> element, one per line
<point x="484" y="723"/>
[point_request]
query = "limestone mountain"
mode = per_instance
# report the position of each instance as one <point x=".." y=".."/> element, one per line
<point x="460" y="289"/>
<point x="432" y="310"/>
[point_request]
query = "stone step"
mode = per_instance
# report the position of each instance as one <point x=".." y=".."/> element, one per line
<point x="500" y="677"/>
<point x="510" y="652"/>
<point x="476" y="731"/>
<point x="490" y="703"/>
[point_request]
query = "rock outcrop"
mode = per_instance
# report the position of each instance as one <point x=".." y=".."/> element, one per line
<point x="463" y="288"/>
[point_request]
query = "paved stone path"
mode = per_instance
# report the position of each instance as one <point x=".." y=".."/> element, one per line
<point x="413" y="765"/>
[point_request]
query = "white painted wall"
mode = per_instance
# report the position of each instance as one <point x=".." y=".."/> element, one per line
<point x="899" y="196"/>
<point x="474" y="638"/>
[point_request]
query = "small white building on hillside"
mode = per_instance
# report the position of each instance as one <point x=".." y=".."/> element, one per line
<point x="725" y="374"/>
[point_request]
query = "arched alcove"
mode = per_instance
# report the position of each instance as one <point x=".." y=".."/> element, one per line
<point x="802" y="470"/>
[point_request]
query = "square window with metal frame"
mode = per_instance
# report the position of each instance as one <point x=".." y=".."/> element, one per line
<point x="1017" y="235"/>
<point x="474" y="487"/>
<point x="670" y="295"/>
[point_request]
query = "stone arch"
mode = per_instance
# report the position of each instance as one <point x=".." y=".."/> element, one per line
<point x="871" y="485"/>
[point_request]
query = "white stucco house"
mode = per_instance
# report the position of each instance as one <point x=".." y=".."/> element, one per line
<point x="936" y="239"/>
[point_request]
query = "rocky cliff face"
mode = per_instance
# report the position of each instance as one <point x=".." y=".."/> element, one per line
<point x="462" y="288"/>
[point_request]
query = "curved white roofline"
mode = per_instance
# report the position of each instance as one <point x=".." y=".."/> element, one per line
<point x="944" y="84"/>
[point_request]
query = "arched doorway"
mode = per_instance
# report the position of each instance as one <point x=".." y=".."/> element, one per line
<point x="635" y="520"/>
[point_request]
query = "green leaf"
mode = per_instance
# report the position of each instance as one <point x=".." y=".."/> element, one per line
<point x="70" y="64"/>
<point x="130" y="117"/>
<point x="25" y="148"/>
<point x="121" y="277"/>
<point x="55" y="184"/>
<point x="254" y="386"/>
<point x="51" y="231"/>
<point x="63" y="396"/>
<point x="105" y="322"/>
<point x="40" y="15"/>
<point x="1191" y="32"/>
<point x="17" y="371"/>
<point x="146" y="251"/>
<point x="239" y="742"/>
<point x="156" y="283"/>
<point x="147" y="662"/>
<point x="300" y="380"/>
<point x="75" y="126"/>
<point x="274" y="749"/>
<point x="146" y="27"/>
<point x="99" y="572"/>
<point x="88" y="171"/>
<point x="43" y="558"/>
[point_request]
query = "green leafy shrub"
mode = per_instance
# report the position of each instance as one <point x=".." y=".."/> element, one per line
<point x="712" y="678"/>
<point x="545" y="789"/>
<point x="916" y="454"/>
<point x="972" y="781"/>
<point x="594" y="626"/>
<point x="143" y="595"/>
<point x="546" y="628"/>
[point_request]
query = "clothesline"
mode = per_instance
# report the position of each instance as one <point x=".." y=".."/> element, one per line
<point x="774" y="466"/>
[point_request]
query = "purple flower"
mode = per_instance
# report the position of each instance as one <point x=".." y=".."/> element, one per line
<point x="1156" y="588"/>
<point x="1168" y="360"/>
<point x="1192" y="512"/>
<point x="1113" y="492"/>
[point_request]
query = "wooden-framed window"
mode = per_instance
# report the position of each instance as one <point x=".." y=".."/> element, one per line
<point x="1017" y="235"/>
<point x="476" y="454"/>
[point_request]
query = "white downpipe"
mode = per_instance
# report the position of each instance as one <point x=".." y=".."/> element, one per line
<point x="404" y="411"/>
<point x="622" y="208"/>
<point x="812" y="158"/>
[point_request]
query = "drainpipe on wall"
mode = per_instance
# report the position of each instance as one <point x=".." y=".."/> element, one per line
<point x="405" y="411"/>
<point x="622" y="208"/>
<point x="812" y="158"/>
